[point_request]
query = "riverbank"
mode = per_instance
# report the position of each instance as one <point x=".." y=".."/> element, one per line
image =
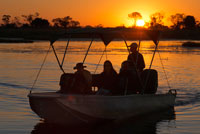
<point x="15" y="40"/>
<point x="130" y="33"/>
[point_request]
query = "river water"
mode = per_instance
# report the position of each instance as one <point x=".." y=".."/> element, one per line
<point x="21" y="62"/>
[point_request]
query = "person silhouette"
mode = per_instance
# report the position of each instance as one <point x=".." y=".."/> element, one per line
<point x="108" y="79"/>
<point x="82" y="80"/>
<point x="136" y="58"/>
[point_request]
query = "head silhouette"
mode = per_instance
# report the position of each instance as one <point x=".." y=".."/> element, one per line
<point x="108" y="66"/>
<point x="133" y="47"/>
<point x="125" y="65"/>
<point x="79" y="66"/>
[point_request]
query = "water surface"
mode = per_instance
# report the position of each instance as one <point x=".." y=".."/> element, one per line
<point x="20" y="64"/>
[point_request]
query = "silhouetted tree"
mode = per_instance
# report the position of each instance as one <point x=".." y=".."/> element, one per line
<point x="7" y="23"/>
<point x="29" y="18"/>
<point x="189" y="22"/>
<point x="6" y="19"/>
<point x="121" y="27"/>
<point x="177" y="20"/>
<point x="56" y="22"/>
<point x="74" y="24"/>
<point x="135" y="16"/>
<point x="88" y="26"/>
<point x="62" y="22"/>
<point x="16" y="22"/>
<point x="40" y="23"/>
<point x="65" y="22"/>
<point x="198" y="24"/>
<point x="156" y="20"/>
<point x="99" y="26"/>
<point x="147" y="24"/>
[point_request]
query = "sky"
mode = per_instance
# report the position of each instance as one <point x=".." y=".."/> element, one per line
<point x="109" y="13"/>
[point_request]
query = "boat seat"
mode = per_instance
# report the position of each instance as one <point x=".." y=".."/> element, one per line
<point x="67" y="78"/>
<point x="150" y="81"/>
<point x="65" y="82"/>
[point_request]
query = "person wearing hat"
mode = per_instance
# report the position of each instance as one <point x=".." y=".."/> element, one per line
<point x="136" y="58"/>
<point x="82" y="80"/>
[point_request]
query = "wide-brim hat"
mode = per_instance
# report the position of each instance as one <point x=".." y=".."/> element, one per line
<point x="133" y="45"/>
<point x="79" y="65"/>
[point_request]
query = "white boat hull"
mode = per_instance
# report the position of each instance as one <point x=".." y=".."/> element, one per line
<point x="83" y="109"/>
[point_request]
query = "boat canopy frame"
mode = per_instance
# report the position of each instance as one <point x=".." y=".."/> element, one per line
<point x="105" y="37"/>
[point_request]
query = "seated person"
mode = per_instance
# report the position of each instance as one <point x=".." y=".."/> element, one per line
<point x="123" y="77"/>
<point x="124" y="68"/>
<point x="128" y="80"/>
<point x="108" y="79"/>
<point x="82" y="81"/>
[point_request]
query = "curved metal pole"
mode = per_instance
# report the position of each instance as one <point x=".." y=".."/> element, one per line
<point x="56" y="57"/>
<point x="65" y="50"/>
<point x="153" y="55"/>
<point x="106" y="53"/>
<point x="164" y="71"/>
<point x="100" y="60"/>
<point x="40" y="70"/>
<point x="127" y="46"/>
<point x="88" y="50"/>
<point x="151" y="64"/>
<point x="138" y="52"/>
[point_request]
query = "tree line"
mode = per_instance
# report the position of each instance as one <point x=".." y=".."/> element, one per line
<point x="35" y="21"/>
<point x="179" y="21"/>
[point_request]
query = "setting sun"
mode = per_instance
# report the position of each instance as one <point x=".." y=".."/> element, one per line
<point x="140" y="23"/>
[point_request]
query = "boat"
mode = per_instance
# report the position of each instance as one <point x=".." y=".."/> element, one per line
<point x="138" y="125"/>
<point x="82" y="109"/>
<point x="191" y="44"/>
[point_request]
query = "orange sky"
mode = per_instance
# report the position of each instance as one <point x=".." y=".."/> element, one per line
<point x="94" y="12"/>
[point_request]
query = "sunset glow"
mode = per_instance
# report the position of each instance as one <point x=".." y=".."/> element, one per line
<point x="140" y="23"/>
<point x="90" y="12"/>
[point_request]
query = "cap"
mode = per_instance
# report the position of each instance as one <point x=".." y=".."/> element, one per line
<point x="133" y="45"/>
<point x="79" y="65"/>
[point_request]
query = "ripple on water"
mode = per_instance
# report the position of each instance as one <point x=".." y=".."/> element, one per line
<point x="20" y="64"/>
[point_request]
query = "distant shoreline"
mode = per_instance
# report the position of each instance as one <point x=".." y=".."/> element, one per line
<point x="15" y="40"/>
<point x="28" y="35"/>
